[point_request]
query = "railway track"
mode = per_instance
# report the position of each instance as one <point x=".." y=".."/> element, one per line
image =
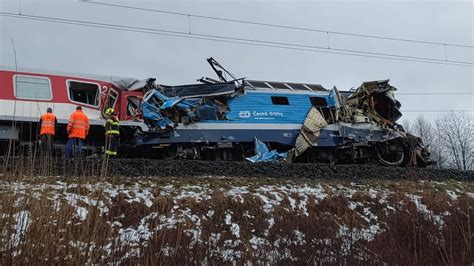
<point x="193" y="168"/>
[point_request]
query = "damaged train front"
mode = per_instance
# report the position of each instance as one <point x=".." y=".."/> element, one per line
<point x="373" y="106"/>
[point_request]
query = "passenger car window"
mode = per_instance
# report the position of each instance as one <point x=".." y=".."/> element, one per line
<point x="84" y="92"/>
<point x="34" y="88"/>
<point x="278" y="100"/>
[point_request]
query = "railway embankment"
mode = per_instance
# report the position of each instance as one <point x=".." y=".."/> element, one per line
<point x="221" y="220"/>
<point x="193" y="212"/>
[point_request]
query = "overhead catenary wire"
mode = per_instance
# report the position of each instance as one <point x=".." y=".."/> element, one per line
<point x="189" y="15"/>
<point x="243" y="41"/>
<point x="171" y="33"/>
<point x="276" y="25"/>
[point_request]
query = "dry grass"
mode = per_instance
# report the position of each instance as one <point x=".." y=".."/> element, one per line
<point x="53" y="220"/>
<point x="54" y="232"/>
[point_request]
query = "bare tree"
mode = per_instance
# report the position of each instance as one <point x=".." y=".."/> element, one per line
<point x="428" y="133"/>
<point x="423" y="128"/>
<point x="407" y="126"/>
<point x="455" y="132"/>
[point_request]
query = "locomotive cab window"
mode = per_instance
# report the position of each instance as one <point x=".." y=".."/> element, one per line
<point x="318" y="102"/>
<point x="112" y="98"/>
<point x="32" y="87"/>
<point x="278" y="100"/>
<point x="84" y="92"/>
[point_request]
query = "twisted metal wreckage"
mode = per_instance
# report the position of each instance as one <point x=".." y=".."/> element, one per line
<point x="328" y="125"/>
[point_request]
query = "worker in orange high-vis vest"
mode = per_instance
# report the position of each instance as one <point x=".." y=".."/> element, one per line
<point x="77" y="129"/>
<point x="48" y="124"/>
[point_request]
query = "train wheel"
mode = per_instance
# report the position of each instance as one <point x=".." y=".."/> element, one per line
<point x="390" y="154"/>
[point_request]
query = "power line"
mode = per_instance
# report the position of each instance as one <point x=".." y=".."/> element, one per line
<point x="188" y="15"/>
<point x="277" y="25"/>
<point x="225" y="39"/>
<point x="65" y="21"/>
<point x="244" y="41"/>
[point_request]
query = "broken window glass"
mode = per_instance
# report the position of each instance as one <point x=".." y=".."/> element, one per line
<point x="84" y="93"/>
<point x="132" y="105"/>
<point x="385" y="106"/>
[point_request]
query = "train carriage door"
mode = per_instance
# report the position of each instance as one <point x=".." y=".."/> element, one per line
<point x="111" y="102"/>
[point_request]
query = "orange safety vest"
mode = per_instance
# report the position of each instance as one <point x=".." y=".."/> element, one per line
<point x="78" y="126"/>
<point x="47" y="124"/>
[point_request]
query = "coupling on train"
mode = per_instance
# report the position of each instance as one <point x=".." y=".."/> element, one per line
<point x="227" y="118"/>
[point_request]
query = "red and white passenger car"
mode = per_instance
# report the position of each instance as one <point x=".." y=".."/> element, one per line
<point x="25" y="94"/>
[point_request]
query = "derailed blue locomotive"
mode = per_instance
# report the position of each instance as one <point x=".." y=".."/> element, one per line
<point x="226" y="118"/>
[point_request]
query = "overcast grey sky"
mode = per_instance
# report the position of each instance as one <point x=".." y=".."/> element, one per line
<point x="175" y="60"/>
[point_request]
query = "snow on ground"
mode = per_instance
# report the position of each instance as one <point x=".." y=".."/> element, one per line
<point x="21" y="224"/>
<point x="423" y="209"/>
<point x="170" y="205"/>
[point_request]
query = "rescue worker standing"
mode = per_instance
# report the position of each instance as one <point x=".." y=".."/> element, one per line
<point x="112" y="132"/>
<point x="77" y="129"/>
<point x="48" y="125"/>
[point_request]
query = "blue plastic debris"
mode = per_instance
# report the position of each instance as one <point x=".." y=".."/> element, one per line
<point x="263" y="154"/>
<point x="153" y="116"/>
<point x="155" y="102"/>
<point x="180" y="103"/>
<point x="170" y="103"/>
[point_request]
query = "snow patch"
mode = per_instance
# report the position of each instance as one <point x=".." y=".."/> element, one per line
<point x="22" y="222"/>
<point x="236" y="191"/>
<point x="429" y="215"/>
<point x="452" y="194"/>
<point x="81" y="213"/>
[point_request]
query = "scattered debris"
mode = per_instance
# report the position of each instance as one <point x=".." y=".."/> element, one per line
<point x="263" y="154"/>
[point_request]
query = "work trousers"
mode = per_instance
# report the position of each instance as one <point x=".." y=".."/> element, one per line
<point x="111" y="144"/>
<point x="46" y="144"/>
<point x="74" y="147"/>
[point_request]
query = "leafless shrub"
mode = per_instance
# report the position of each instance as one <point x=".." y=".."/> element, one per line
<point x="42" y="227"/>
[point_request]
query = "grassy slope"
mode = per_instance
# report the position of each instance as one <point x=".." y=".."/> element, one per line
<point x="216" y="220"/>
